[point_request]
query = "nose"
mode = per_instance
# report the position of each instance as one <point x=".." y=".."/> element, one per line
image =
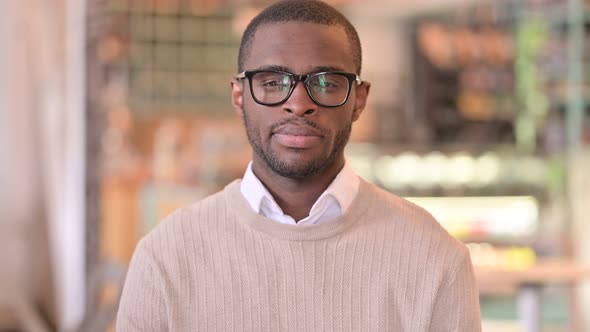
<point x="300" y="103"/>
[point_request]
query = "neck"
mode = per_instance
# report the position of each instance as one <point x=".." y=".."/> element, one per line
<point x="296" y="196"/>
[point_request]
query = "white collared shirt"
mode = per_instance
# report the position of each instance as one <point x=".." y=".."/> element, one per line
<point x="331" y="204"/>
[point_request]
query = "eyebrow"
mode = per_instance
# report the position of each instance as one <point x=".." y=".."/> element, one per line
<point x="316" y="69"/>
<point x="327" y="68"/>
<point x="273" y="67"/>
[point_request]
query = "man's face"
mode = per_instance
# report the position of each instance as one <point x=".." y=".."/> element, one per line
<point x="298" y="138"/>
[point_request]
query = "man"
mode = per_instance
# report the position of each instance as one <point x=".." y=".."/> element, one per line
<point x="301" y="243"/>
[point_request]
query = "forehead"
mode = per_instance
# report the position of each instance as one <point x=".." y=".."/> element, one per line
<point x="301" y="47"/>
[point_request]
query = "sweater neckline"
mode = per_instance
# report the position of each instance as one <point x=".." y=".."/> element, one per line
<point x="238" y="205"/>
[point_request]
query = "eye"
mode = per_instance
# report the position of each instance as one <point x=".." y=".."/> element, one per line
<point x="274" y="80"/>
<point x="327" y="83"/>
<point x="274" y="83"/>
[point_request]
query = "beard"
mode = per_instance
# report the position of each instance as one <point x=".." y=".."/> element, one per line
<point x="296" y="170"/>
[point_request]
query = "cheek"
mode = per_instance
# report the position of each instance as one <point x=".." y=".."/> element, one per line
<point x="341" y="121"/>
<point x="257" y="123"/>
<point x="261" y="118"/>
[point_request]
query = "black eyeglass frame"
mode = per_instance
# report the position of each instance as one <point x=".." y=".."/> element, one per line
<point x="352" y="77"/>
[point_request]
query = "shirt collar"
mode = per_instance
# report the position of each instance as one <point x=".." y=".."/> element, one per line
<point x="254" y="191"/>
<point x="343" y="189"/>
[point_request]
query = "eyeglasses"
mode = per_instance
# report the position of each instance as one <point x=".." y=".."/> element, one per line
<point x="274" y="87"/>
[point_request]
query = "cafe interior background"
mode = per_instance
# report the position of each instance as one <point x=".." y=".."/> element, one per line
<point x="113" y="113"/>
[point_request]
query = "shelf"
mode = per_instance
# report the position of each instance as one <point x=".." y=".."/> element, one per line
<point x="556" y="13"/>
<point x="545" y="271"/>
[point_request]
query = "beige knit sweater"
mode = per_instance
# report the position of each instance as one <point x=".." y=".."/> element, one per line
<point x="385" y="265"/>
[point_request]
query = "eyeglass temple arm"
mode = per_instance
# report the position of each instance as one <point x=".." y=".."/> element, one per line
<point x="358" y="80"/>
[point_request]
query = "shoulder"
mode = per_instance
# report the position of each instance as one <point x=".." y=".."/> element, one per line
<point x="388" y="204"/>
<point x="395" y="204"/>
<point x="416" y="232"/>
<point x="184" y="225"/>
<point x="409" y="220"/>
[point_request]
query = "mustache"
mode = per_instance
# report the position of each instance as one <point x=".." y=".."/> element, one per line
<point x="298" y="121"/>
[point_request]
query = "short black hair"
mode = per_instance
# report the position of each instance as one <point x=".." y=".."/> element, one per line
<point x="309" y="11"/>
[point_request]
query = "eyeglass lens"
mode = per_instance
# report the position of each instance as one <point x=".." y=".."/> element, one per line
<point x="328" y="89"/>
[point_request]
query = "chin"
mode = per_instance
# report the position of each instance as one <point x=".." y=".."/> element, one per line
<point x="298" y="168"/>
<point x="297" y="172"/>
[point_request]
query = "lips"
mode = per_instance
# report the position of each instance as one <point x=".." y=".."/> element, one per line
<point x="296" y="136"/>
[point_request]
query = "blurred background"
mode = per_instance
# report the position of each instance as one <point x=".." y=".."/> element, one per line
<point x="113" y="113"/>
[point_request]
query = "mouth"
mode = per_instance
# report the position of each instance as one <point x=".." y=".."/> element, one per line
<point x="297" y="136"/>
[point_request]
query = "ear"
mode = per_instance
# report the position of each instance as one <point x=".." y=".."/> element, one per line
<point x="237" y="96"/>
<point x="362" y="93"/>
